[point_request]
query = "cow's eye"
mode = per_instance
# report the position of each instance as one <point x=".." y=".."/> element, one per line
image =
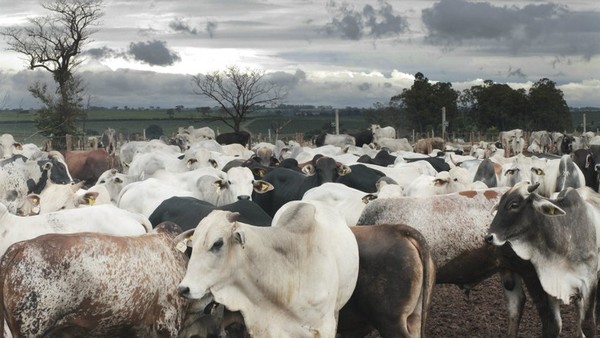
<point x="513" y="206"/>
<point x="217" y="245"/>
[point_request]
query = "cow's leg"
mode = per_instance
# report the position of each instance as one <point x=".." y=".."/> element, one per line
<point x="547" y="306"/>
<point x="586" y="307"/>
<point x="514" y="293"/>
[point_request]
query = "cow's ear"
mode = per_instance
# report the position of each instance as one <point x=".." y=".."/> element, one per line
<point x="239" y="237"/>
<point x="538" y="171"/>
<point x="368" y="198"/>
<point x="262" y="187"/>
<point x="588" y="161"/>
<point x="47" y="166"/>
<point x="220" y="184"/>
<point x="34" y="199"/>
<point x="343" y="170"/>
<point x="18" y="146"/>
<point x="439" y="181"/>
<point x="308" y="169"/>
<point x="89" y="198"/>
<point x="259" y="172"/>
<point x="214" y="163"/>
<point x="547" y="208"/>
<point x="190" y="162"/>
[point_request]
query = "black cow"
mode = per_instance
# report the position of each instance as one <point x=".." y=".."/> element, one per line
<point x="438" y="163"/>
<point x="187" y="212"/>
<point x="362" y="178"/>
<point x="290" y="185"/>
<point x="566" y="146"/>
<point x="558" y="237"/>
<point x="382" y="158"/>
<point x="588" y="160"/>
<point x="362" y="137"/>
<point x="241" y="137"/>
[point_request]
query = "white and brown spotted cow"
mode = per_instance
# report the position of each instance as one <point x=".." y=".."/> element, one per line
<point x="94" y="285"/>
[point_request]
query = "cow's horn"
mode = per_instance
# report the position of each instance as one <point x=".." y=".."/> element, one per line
<point x="532" y="188"/>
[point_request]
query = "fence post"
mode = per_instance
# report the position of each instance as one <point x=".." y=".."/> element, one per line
<point x="69" y="141"/>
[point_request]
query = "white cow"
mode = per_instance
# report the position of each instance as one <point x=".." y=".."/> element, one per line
<point x="143" y="197"/>
<point x="8" y="146"/>
<point x="226" y="188"/>
<point x="130" y="149"/>
<point x="56" y="197"/>
<point x="105" y="218"/>
<point x="394" y="144"/>
<point x="507" y="138"/>
<point x="146" y="164"/>
<point x="114" y="181"/>
<point x="292" y="273"/>
<point x="382" y="132"/>
<point x="555" y="175"/>
<point x="346" y="200"/>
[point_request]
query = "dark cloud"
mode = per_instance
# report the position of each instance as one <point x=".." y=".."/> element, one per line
<point x="365" y="86"/>
<point x="516" y="73"/>
<point x="154" y="53"/>
<point x="538" y="28"/>
<point x="101" y="53"/>
<point x="371" y="21"/>
<point x="179" y="25"/>
<point x="211" y="26"/>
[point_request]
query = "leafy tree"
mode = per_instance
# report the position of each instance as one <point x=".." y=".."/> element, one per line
<point x="54" y="43"/>
<point x="548" y="107"/>
<point x="171" y="113"/>
<point x="423" y="103"/>
<point x="238" y="92"/>
<point x="496" y="105"/>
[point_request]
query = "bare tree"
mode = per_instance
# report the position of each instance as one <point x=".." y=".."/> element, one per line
<point x="238" y="92"/>
<point x="54" y="43"/>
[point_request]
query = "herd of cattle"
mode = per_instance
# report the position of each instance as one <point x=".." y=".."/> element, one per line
<point x="212" y="236"/>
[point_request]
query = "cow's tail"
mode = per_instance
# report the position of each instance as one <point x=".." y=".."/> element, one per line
<point x="417" y="239"/>
<point x="5" y="262"/>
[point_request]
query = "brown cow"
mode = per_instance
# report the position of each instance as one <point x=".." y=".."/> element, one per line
<point x="426" y="145"/>
<point x="92" y="284"/>
<point x="395" y="280"/>
<point x="88" y="165"/>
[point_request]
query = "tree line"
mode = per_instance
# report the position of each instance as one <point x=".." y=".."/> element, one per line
<point x="489" y="106"/>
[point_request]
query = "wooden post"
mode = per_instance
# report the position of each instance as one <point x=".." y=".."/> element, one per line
<point x="69" y="141"/>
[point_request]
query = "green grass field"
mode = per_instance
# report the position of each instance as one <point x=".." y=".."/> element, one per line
<point x="128" y="122"/>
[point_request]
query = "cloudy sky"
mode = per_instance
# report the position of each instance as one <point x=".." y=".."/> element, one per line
<point x="337" y="53"/>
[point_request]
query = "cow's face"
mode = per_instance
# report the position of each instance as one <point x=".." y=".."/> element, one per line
<point x="216" y="243"/>
<point x="239" y="183"/>
<point x="517" y="214"/>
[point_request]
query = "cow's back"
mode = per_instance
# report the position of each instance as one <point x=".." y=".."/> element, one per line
<point x="93" y="285"/>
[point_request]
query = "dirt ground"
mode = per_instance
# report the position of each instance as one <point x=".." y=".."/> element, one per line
<point x="484" y="314"/>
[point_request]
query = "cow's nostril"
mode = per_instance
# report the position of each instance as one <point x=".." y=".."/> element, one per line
<point x="184" y="291"/>
<point x="489" y="238"/>
<point x="243" y="197"/>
